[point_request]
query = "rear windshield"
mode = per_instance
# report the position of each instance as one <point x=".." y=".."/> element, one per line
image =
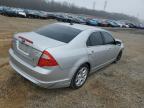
<point x="59" y="32"/>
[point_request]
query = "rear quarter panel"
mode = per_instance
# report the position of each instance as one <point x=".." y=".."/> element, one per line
<point x="72" y="55"/>
<point x="68" y="58"/>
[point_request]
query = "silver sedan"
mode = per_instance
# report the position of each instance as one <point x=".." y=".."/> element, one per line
<point x="62" y="54"/>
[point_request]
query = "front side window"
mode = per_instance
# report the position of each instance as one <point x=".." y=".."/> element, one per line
<point x="95" y="39"/>
<point x="108" y="39"/>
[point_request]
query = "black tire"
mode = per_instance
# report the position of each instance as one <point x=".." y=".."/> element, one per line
<point x="74" y="82"/>
<point x="119" y="56"/>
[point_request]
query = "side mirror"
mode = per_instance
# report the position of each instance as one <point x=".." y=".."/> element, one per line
<point x="118" y="43"/>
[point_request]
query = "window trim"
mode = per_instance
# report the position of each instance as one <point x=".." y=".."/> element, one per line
<point x="89" y="38"/>
<point x="104" y="38"/>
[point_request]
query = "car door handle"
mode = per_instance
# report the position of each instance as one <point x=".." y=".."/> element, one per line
<point x="110" y="48"/>
<point x="91" y="52"/>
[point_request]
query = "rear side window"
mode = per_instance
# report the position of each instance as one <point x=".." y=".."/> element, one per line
<point x="59" y="32"/>
<point x="108" y="39"/>
<point x="95" y="39"/>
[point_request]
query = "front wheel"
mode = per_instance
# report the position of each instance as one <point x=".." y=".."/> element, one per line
<point x="80" y="77"/>
<point x="119" y="56"/>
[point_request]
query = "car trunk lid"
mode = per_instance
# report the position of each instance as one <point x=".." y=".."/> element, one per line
<point x="29" y="46"/>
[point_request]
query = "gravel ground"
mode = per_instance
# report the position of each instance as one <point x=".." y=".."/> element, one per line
<point x="118" y="85"/>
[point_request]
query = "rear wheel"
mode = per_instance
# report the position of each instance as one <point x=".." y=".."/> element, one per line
<point x="80" y="77"/>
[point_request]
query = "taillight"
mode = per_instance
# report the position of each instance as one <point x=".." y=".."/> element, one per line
<point x="47" y="59"/>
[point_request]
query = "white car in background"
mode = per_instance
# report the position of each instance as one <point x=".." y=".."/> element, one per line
<point x="21" y="13"/>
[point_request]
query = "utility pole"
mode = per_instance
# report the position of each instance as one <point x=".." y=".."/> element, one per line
<point x="94" y="4"/>
<point x="105" y="5"/>
<point x="138" y="15"/>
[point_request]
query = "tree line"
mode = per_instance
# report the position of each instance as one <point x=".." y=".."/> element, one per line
<point x="52" y="6"/>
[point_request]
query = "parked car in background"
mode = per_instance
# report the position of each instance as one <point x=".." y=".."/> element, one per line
<point x="131" y="25"/>
<point x="13" y="12"/>
<point x="51" y="15"/>
<point x="20" y="13"/>
<point x="83" y="18"/>
<point x="78" y="20"/>
<point x="35" y="14"/>
<point x="93" y="22"/>
<point x="103" y="23"/>
<point x="69" y="18"/>
<point x="63" y="55"/>
<point x="123" y="24"/>
<point x="63" y="18"/>
<point x="42" y="14"/>
<point x="112" y="23"/>
<point x="1" y="10"/>
<point x="141" y="26"/>
<point x="10" y="12"/>
<point x="119" y="24"/>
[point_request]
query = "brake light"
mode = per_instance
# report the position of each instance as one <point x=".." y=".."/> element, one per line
<point x="47" y="59"/>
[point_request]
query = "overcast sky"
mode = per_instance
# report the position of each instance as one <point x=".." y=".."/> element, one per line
<point x="130" y="7"/>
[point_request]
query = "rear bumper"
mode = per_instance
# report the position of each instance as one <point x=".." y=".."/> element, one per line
<point x="47" y="78"/>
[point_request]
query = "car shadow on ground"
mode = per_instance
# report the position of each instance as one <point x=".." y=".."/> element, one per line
<point x="34" y="87"/>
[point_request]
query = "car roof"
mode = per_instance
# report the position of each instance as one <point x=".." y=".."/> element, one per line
<point x="81" y="27"/>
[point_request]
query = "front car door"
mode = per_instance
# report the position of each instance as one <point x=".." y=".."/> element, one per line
<point x="96" y="50"/>
<point x="109" y="43"/>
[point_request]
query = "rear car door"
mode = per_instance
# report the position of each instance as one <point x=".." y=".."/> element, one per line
<point x="96" y="50"/>
<point x="109" y="43"/>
